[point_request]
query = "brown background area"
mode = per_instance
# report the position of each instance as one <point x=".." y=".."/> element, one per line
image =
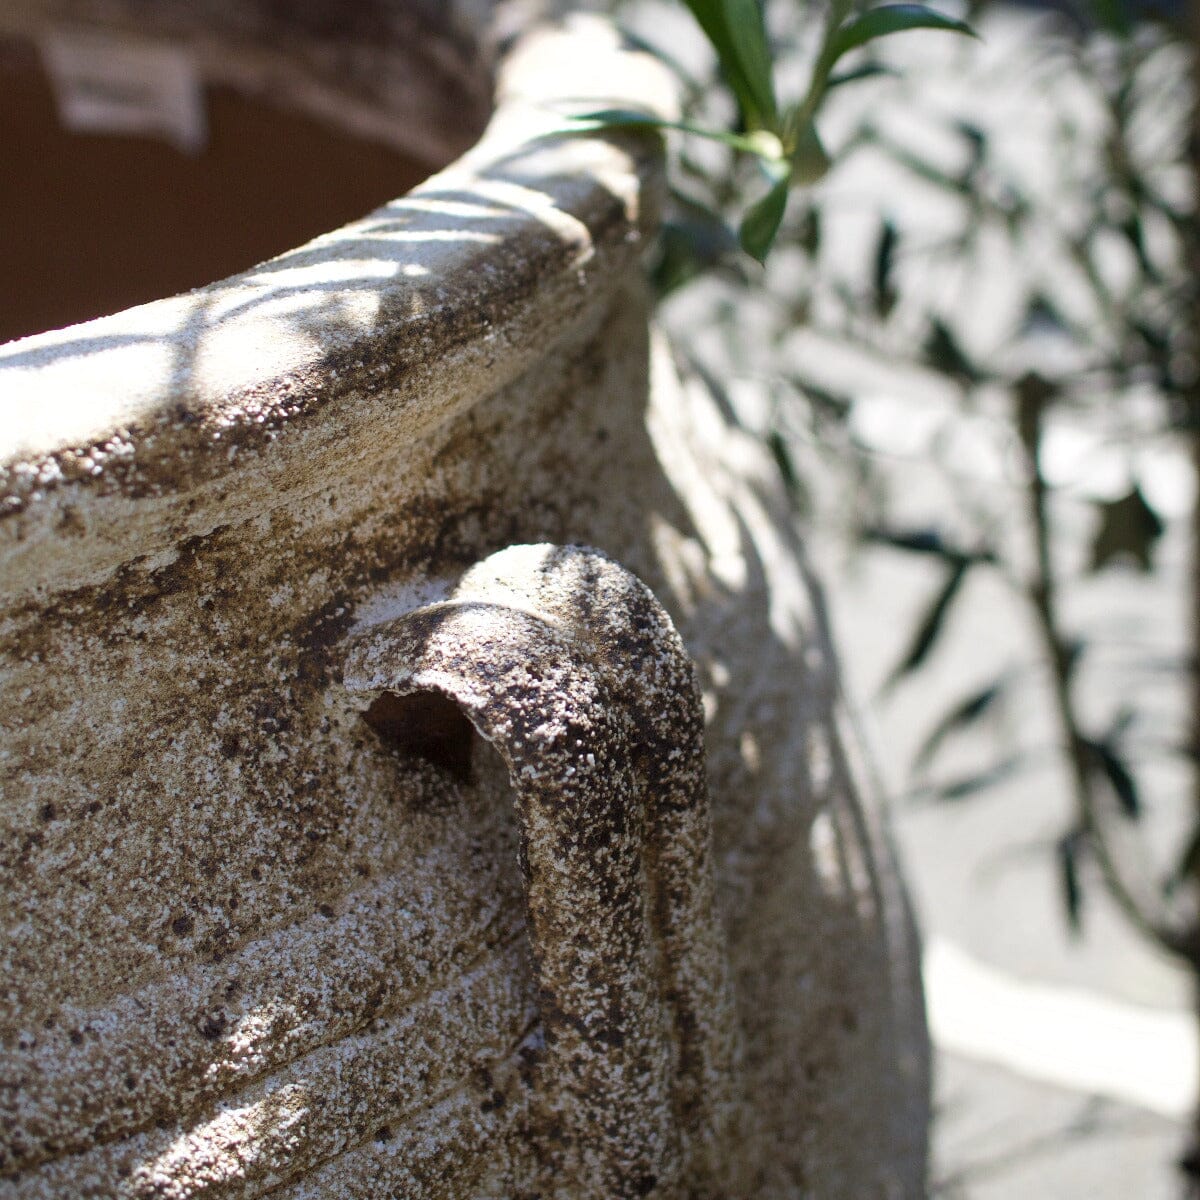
<point x="96" y="223"/>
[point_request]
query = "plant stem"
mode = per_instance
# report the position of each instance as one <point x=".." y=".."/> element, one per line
<point x="1191" y="1161"/>
<point x="1042" y="593"/>
<point x="838" y="11"/>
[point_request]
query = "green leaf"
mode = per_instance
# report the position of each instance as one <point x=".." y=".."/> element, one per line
<point x="810" y="161"/>
<point x="1188" y="866"/>
<point x="692" y="239"/>
<point x="762" y="220"/>
<point x="787" y="470"/>
<point x="736" y="31"/>
<point x="885" y="259"/>
<point x="685" y="251"/>
<point x="1112" y="16"/>
<point x="834" y="406"/>
<point x="1135" y="235"/>
<point x="1042" y="316"/>
<point x="1068" y="851"/>
<point x="870" y="70"/>
<point x="918" y="166"/>
<point x="809" y="235"/>
<point x="1157" y="340"/>
<point x="1034" y="394"/>
<point x="1128" y="529"/>
<point x="977" y="143"/>
<point x="749" y="38"/>
<point x="926" y="541"/>
<point x="713" y="383"/>
<point x="710" y="14"/>
<point x="966" y="786"/>
<point x="1073" y="651"/>
<point x="630" y="118"/>
<point x="944" y="353"/>
<point x="961" y="717"/>
<point x="1123" y="720"/>
<point x="916" y="541"/>
<point x="889" y="19"/>
<point x="1105" y="759"/>
<point x="931" y="624"/>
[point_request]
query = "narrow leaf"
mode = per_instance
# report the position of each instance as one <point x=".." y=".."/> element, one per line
<point x="966" y="786"/>
<point x="917" y="541"/>
<point x="868" y="70"/>
<point x="710" y="14"/>
<point x="1042" y="316"/>
<point x="962" y="716"/>
<point x="744" y="19"/>
<point x="1068" y="852"/>
<point x="919" y="167"/>
<point x="1157" y="340"/>
<point x="1072" y="656"/>
<point x="926" y="541"/>
<point x="1034" y="393"/>
<point x="630" y="118"/>
<point x="1108" y="762"/>
<point x="810" y="160"/>
<point x="809" y="235"/>
<point x="888" y="19"/>
<point x="931" y="625"/>
<point x="735" y="30"/>
<point x="787" y="469"/>
<point x="762" y="220"/>
<point x="977" y="141"/>
<point x="1122" y="722"/>
<point x="693" y="238"/>
<point x="885" y="258"/>
<point x="944" y="354"/>
<point x="1188" y="866"/>
<point x="1112" y="16"/>
<point x="833" y="405"/>
<point x="686" y="249"/>
<point x="1135" y="235"/>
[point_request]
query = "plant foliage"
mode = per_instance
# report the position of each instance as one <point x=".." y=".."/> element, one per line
<point x="783" y="140"/>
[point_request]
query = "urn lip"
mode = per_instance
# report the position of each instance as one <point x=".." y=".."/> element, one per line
<point x="131" y="432"/>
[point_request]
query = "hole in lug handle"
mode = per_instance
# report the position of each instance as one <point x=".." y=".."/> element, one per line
<point x="425" y="725"/>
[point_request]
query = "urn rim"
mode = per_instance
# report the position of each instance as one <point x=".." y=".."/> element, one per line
<point x="120" y="432"/>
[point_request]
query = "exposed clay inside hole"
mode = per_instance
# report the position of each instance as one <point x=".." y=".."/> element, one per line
<point x="425" y="725"/>
<point x="95" y="223"/>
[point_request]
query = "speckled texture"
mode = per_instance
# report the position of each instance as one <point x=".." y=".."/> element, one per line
<point x="568" y="665"/>
<point x="249" y="944"/>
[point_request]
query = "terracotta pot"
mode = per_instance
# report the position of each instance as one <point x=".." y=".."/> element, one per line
<point x="363" y="833"/>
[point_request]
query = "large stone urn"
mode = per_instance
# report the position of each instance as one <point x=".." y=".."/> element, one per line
<point x="423" y="766"/>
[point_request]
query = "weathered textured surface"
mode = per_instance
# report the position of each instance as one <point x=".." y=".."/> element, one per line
<point x="249" y="945"/>
<point x="572" y="670"/>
